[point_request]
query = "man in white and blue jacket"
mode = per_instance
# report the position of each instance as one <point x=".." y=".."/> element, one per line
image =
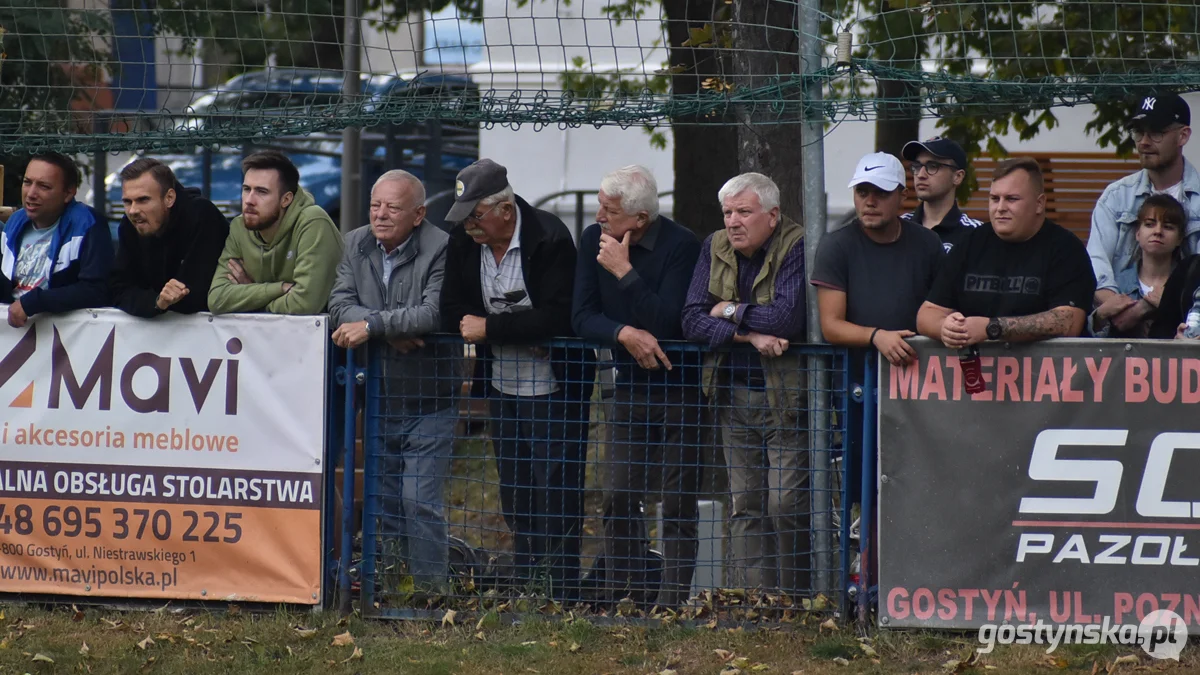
<point x="55" y="254"/>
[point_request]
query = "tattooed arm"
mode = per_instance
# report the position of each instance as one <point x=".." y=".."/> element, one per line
<point x="1057" y="322"/>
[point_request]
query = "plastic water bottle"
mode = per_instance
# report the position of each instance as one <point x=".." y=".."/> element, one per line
<point x="1193" y="317"/>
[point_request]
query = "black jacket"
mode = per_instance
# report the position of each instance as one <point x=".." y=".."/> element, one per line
<point x="548" y="267"/>
<point x="186" y="249"/>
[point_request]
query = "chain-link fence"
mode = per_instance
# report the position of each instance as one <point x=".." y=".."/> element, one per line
<point x="540" y="478"/>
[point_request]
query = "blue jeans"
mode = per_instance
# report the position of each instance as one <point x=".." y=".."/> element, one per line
<point x="413" y="465"/>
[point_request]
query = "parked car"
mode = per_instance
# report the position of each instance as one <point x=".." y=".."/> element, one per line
<point x="293" y="91"/>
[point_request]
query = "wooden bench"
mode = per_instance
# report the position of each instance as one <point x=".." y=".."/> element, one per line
<point x="1074" y="181"/>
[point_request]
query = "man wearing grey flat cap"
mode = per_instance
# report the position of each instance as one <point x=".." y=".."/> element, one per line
<point x="510" y="272"/>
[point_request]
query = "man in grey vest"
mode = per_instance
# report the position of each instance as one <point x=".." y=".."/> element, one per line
<point x="749" y="287"/>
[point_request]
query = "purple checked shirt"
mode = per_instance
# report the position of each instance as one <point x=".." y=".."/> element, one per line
<point x="785" y="317"/>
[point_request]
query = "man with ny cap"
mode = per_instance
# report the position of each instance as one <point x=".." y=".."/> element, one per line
<point x="510" y="271"/>
<point x="938" y="167"/>
<point x="1160" y="125"/>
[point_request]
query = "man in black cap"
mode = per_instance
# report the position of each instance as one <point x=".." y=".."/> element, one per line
<point x="1159" y="125"/>
<point x="510" y="272"/>
<point x="938" y="167"/>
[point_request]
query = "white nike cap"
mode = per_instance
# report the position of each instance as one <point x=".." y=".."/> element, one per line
<point x="880" y="169"/>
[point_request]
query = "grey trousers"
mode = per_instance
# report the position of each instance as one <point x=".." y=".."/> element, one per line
<point x="768" y="477"/>
<point x="653" y="445"/>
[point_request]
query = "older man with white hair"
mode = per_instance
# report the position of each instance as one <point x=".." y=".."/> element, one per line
<point x="749" y="287"/>
<point x="387" y="295"/>
<point x="509" y="277"/>
<point x="634" y="267"/>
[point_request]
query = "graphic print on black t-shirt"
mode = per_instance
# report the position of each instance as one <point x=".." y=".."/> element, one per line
<point x="987" y="276"/>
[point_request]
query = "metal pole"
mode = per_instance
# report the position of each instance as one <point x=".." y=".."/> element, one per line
<point x="813" y="164"/>
<point x="351" y="199"/>
<point x="206" y="168"/>
<point x="99" y="190"/>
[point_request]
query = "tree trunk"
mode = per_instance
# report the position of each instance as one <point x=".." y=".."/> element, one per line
<point x="766" y="46"/>
<point x="896" y="123"/>
<point x="705" y="154"/>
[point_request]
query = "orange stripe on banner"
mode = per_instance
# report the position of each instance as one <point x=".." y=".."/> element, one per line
<point x="142" y="550"/>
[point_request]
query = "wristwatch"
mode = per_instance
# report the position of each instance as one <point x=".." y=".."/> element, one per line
<point x="994" y="330"/>
<point x="729" y="311"/>
<point x="367" y="328"/>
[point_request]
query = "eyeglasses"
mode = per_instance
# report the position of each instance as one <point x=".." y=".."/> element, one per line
<point x="1137" y="134"/>
<point x="930" y="167"/>
<point x="510" y="298"/>
<point x="476" y="219"/>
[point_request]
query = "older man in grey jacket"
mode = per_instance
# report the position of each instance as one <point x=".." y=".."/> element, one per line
<point x="387" y="296"/>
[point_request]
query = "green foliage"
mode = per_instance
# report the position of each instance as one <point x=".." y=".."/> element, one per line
<point x="36" y="78"/>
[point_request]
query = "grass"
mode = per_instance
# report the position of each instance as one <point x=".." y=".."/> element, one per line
<point x="37" y="640"/>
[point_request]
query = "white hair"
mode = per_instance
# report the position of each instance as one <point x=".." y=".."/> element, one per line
<point x="764" y="188"/>
<point x="635" y="186"/>
<point x="505" y="195"/>
<point x="400" y="175"/>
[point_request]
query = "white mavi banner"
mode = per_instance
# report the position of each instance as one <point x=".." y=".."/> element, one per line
<point x="179" y="457"/>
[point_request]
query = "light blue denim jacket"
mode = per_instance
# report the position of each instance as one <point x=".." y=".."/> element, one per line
<point x="1127" y="284"/>
<point x="1111" y="241"/>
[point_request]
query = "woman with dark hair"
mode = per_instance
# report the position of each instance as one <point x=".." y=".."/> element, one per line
<point x="1158" y="249"/>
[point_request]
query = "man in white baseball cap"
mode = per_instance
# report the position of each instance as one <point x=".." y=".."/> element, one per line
<point x="872" y="275"/>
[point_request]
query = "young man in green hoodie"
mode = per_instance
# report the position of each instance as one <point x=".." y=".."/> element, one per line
<point x="282" y="252"/>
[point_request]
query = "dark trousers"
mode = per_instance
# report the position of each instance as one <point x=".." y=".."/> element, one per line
<point x="653" y="443"/>
<point x="541" y="457"/>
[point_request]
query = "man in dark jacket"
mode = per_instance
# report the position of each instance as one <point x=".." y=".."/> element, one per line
<point x="509" y="276"/>
<point x="634" y="269"/>
<point x="169" y="241"/>
<point x="54" y="254"/>
<point x="386" y="297"/>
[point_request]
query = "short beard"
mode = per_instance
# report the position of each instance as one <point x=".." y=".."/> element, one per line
<point x="1156" y="162"/>
<point x="262" y="224"/>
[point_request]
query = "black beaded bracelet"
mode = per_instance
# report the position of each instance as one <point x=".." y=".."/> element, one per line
<point x="872" y="340"/>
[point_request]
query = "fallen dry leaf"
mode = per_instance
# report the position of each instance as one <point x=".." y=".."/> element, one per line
<point x="305" y="633"/>
<point x="84" y="649"/>
<point x="828" y="625"/>
<point x="730" y="670"/>
<point x="42" y="657"/>
<point x="528" y="643"/>
<point x="573" y="648"/>
<point x="480" y="636"/>
<point x="759" y="667"/>
<point x="78" y="615"/>
<point x="1120" y="660"/>
<point x="841" y="662"/>
<point x="342" y="639"/>
<point x="448" y="619"/>
<point x="145" y="643"/>
<point x="667" y="671"/>
<point x="723" y="654"/>
<point x="356" y="655"/>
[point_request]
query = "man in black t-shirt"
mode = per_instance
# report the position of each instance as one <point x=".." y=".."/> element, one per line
<point x="872" y="274"/>
<point x="1019" y="278"/>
